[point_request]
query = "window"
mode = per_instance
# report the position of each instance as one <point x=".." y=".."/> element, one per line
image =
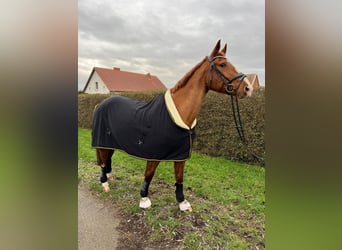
<point x="96" y="85"/>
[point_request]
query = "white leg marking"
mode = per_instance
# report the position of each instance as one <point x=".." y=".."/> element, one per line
<point x="105" y="187"/>
<point x="145" y="202"/>
<point x="185" y="205"/>
<point x="110" y="177"/>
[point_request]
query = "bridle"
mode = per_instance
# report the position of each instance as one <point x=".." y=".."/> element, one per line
<point x="230" y="90"/>
<point x="226" y="81"/>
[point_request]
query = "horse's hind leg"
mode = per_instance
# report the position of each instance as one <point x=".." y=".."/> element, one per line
<point x="179" y="170"/>
<point x="151" y="167"/>
<point x="104" y="159"/>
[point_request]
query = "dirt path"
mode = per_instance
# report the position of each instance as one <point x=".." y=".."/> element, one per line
<point x="97" y="222"/>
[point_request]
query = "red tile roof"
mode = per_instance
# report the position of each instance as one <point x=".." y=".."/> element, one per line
<point x="117" y="80"/>
<point x="253" y="79"/>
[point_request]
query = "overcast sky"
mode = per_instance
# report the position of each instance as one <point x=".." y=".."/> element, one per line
<point x="167" y="38"/>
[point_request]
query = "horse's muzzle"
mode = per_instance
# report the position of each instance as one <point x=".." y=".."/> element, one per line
<point x="248" y="90"/>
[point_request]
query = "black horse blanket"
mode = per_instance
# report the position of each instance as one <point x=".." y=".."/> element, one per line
<point x="142" y="129"/>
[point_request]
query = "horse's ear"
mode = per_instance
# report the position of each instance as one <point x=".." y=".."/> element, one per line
<point x="224" y="50"/>
<point x="216" y="49"/>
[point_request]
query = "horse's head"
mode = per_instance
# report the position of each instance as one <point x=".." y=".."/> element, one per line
<point x="224" y="77"/>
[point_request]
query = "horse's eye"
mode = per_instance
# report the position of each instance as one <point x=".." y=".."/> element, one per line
<point x="222" y="65"/>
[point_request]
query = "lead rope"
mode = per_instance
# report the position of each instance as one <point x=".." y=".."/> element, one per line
<point x="239" y="126"/>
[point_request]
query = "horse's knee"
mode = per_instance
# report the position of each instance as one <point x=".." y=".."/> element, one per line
<point x="179" y="170"/>
<point x="104" y="157"/>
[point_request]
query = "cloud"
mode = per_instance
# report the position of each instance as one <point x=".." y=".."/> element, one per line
<point x="167" y="38"/>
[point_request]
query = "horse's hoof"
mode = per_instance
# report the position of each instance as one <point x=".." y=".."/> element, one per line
<point x="110" y="177"/>
<point x="105" y="187"/>
<point x="185" y="206"/>
<point x="145" y="202"/>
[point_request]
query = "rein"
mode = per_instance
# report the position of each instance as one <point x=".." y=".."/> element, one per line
<point x="234" y="101"/>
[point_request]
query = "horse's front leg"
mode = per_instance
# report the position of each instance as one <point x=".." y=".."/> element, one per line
<point x="184" y="205"/>
<point x="151" y="167"/>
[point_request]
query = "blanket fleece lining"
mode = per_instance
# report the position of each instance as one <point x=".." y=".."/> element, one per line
<point x="171" y="107"/>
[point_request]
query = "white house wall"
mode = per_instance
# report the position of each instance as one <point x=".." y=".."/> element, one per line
<point x="101" y="87"/>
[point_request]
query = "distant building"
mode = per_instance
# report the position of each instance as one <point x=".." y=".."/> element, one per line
<point x="254" y="80"/>
<point x="104" y="81"/>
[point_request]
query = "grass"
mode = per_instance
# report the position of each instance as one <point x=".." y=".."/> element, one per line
<point x="228" y="199"/>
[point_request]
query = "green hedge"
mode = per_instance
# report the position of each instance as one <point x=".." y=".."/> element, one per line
<point x="216" y="132"/>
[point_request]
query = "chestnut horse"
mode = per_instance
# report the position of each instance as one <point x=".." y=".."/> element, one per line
<point x="215" y="73"/>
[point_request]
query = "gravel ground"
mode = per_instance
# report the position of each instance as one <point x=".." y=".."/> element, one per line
<point x="97" y="222"/>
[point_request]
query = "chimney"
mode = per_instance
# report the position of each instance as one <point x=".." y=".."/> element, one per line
<point x="148" y="76"/>
<point x="115" y="68"/>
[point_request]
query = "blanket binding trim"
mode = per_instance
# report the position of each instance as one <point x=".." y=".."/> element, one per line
<point x="148" y="159"/>
<point x="174" y="114"/>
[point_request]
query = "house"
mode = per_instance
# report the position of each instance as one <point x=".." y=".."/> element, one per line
<point x="104" y="81"/>
<point x="254" y="80"/>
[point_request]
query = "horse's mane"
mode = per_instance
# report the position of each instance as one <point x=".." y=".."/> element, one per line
<point x="184" y="80"/>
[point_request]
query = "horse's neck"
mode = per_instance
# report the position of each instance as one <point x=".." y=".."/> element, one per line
<point x="189" y="99"/>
